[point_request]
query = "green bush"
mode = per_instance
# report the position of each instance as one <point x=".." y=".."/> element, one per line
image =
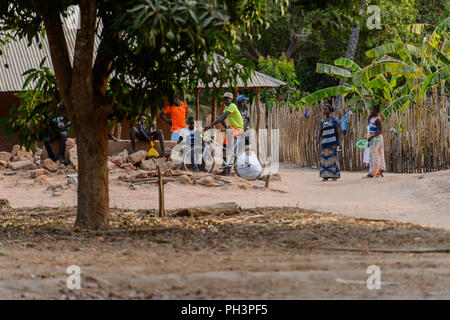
<point x="283" y="70"/>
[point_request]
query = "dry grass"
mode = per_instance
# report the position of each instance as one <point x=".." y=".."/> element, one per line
<point x="269" y="227"/>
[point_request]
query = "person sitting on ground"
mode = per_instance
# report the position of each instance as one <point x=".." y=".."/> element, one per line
<point x="188" y="135"/>
<point x="59" y="131"/>
<point x="178" y="112"/>
<point x="234" y="117"/>
<point x="143" y="132"/>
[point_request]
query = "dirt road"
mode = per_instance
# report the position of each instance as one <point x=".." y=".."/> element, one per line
<point x="418" y="198"/>
<point x="265" y="253"/>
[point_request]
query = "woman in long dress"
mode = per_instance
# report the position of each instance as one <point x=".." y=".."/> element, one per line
<point x="330" y="140"/>
<point x="377" y="164"/>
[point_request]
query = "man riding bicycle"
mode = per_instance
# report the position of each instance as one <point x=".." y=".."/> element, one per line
<point x="234" y="117"/>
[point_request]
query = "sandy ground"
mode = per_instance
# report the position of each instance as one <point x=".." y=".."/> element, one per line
<point x="418" y="198"/>
<point x="265" y="253"/>
<point x="270" y="252"/>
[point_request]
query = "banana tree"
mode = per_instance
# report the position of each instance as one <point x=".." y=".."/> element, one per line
<point x="432" y="60"/>
<point x="394" y="82"/>
<point x="362" y="83"/>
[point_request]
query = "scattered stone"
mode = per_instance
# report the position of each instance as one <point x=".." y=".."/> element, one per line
<point x="111" y="165"/>
<point x="124" y="155"/>
<point x="38" y="152"/>
<point x="22" y="165"/>
<point x="244" y="186"/>
<point x="3" y="164"/>
<point x="44" y="154"/>
<point x="124" y="177"/>
<point x="14" y="150"/>
<point x="41" y="180"/>
<point x="137" y="157"/>
<point x="141" y="175"/>
<point x="38" y="172"/>
<point x="148" y="165"/>
<point x="56" y="187"/>
<point x="57" y="194"/>
<point x="19" y="153"/>
<point x="5" y="156"/>
<point x="208" y="181"/>
<point x="275" y="177"/>
<point x="50" y="165"/>
<point x="118" y="161"/>
<point x="70" y="143"/>
<point x="160" y="161"/>
<point x="135" y="187"/>
<point x="184" y="179"/>
<point x="73" y="157"/>
<point x="127" y="166"/>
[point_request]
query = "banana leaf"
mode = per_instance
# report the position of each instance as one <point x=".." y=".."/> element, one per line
<point x="398" y="104"/>
<point x="327" y="93"/>
<point x="393" y="47"/>
<point x="435" y="78"/>
<point x="333" y="70"/>
<point x="347" y="63"/>
<point x="438" y="33"/>
<point x="382" y="67"/>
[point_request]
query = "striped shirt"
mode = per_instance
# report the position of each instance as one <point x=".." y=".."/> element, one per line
<point x="329" y="135"/>
<point x="373" y="127"/>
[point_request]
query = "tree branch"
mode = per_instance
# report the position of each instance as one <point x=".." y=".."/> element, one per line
<point x="253" y="48"/>
<point x="58" y="51"/>
<point x="295" y="41"/>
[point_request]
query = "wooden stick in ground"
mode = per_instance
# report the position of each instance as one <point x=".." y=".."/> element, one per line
<point x="161" y="193"/>
<point x="267" y="181"/>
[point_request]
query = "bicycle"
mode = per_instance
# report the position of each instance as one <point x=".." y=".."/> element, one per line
<point x="245" y="161"/>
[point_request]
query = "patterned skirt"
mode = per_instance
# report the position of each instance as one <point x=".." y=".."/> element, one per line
<point x="329" y="163"/>
<point x="376" y="159"/>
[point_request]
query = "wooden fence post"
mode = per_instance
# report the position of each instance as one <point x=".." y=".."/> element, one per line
<point x="161" y="193"/>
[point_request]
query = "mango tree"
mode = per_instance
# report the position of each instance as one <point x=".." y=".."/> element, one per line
<point x="147" y="46"/>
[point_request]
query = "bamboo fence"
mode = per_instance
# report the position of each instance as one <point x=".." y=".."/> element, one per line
<point x="415" y="140"/>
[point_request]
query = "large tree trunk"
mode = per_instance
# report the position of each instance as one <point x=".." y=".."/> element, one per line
<point x="93" y="197"/>
<point x="82" y="88"/>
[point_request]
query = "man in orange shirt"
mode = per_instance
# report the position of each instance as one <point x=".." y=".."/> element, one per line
<point x="178" y="113"/>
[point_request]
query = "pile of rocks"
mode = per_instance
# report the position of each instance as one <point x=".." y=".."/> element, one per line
<point x="40" y="165"/>
<point x="139" y="161"/>
<point x="139" y="171"/>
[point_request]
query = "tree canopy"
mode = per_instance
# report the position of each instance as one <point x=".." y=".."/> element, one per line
<point x="146" y="49"/>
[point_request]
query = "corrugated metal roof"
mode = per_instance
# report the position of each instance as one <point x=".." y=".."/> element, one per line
<point x="19" y="57"/>
<point x="256" y="80"/>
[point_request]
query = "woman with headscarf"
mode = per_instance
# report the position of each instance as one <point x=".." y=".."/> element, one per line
<point x="330" y="140"/>
<point x="376" y="144"/>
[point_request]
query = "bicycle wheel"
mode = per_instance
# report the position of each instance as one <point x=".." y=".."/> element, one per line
<point x="208" y="159"/>
<point x="246" y="164"/>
